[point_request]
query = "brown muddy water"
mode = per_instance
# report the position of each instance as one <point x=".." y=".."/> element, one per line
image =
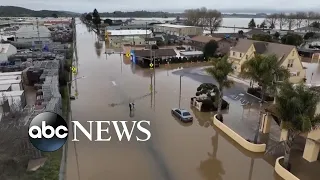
<point x="175" y="151"/>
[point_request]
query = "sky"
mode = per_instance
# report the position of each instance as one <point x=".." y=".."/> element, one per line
<point x="82" y="6"/>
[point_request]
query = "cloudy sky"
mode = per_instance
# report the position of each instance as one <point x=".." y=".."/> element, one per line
<point x="165" y="5"/>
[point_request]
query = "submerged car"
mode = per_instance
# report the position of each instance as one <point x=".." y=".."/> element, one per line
<point x="182" y="114"/>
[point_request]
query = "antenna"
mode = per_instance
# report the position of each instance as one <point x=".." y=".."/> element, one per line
<point x="38" y="32"/>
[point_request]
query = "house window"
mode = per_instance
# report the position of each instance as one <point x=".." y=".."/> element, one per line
<point x="298" y="73"/>
<point x="246" y="56"/>
<point x="290" y="63"/>
<point x="240" y="54"/>
<point x="293" y="53"/>
<point x="233" y="53"/>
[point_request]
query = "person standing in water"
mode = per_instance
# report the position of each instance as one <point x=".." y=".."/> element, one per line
<point x="130" y="106"/>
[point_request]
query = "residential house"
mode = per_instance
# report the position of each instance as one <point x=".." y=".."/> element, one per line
<point x="288" y="56"/>
<point x="253" y="32"/>
<point x="198" y="43"/>
<point x="304" y="30"/>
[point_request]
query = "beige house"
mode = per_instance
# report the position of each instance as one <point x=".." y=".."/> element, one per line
<point x="288" y="56"/>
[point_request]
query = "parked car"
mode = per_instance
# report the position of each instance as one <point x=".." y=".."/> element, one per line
<point x="182" y="114"/>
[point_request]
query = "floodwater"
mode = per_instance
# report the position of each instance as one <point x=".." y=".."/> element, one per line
<point x="176" y="151"/>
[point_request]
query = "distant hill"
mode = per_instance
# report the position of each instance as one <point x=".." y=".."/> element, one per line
<point x="14" y="11"/>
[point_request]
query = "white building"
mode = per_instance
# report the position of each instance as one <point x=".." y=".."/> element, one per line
<point x="34" y="35"/>
<point x="117" y="38"/>
<point x="6" y="50"/>
<point x="178" y="30"/>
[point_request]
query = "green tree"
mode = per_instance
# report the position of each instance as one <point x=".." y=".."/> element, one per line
<point x="272" y="26"/>
<point x="210" y="49"/>
<point x="88" y="17"/>
<point x="315" y="24"/>
<point x="276" y="35"/>
<point x="96" y="19"/>
<point x="219" y="71"/>
<point x="262" y="37"/>
<point x="309" y="35"/>
<point x="252" y="24"/>
<point x="296" y="107"/>
<point x="266" y="71"/>
<point x="263" y="25"/>
<point x="54" y="15"/>
<point x="292" y="39"/>
<point x="108" y="21"/>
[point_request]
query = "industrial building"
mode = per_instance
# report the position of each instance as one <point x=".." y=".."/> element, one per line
<point x="117" y="38"/>
<point x="178" y="30"/>
<point x="35" y="35"/>
<point x="6" y="50"/>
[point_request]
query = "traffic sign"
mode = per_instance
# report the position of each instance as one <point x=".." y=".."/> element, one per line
<point x="150" y="87"/>
<point x="151" y="65"/>
<point x="127" y="55"/>
<point x="76" y="93"/>
<point x="74" y="70"/>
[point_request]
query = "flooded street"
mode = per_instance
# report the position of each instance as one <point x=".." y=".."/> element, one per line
<point x="175" y="151"/>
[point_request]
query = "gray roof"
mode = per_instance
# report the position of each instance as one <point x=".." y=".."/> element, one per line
<point x="157" y="52"/>
<point x="32" y="31"/>
<point x="255" y="32"/>
<point x="311" y="29"/>
<point x="280" y="50"/>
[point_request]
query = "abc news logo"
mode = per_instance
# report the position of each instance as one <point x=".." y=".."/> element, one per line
<point x="48" y="131"/>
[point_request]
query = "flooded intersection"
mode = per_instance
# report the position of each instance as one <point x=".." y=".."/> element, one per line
<point x="175" y="151"/>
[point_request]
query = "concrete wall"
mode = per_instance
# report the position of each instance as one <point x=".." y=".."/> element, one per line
<point x="282" y="172"/>
<point x="240" y="140"/>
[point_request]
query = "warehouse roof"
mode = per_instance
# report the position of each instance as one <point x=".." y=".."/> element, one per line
<point x="11" y="93"/>
<point x="173" y="25"/>
<point x="11" y="73"/>
<point x="157" y="52"/>
<point x="125" y="32"/>
<point x="11" y="81"/>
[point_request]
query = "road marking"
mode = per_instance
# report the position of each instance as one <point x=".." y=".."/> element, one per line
<point x="114" y="83"/>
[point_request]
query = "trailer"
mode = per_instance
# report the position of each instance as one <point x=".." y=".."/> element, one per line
<point x="14" y="97"/>
<point x="16" y="85"/>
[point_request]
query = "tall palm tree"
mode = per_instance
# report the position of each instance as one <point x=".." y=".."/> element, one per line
<point x="266" y="71"/>
<point x="219" y="71"/>
<point x="296" y="107"/>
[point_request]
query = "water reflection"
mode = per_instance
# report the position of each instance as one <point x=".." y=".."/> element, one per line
<point x="98" y="45"/>
<point x="212" y="168"/>
<point x="202" y="117"/>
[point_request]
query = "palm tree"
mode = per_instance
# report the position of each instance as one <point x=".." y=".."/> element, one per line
<point x="265" y="70"/>
<point x="219" y="71"/>
<point x="296" y="107"/>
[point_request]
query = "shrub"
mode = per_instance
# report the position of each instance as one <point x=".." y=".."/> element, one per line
<point x="257" y="93"/>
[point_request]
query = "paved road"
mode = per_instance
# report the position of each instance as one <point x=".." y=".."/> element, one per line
<point x="175" y="152"/>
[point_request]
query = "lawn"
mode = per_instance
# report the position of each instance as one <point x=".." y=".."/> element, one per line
<point x="50" y="170"/>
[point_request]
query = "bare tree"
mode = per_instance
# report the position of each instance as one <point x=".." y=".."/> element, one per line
<point x="271" y="20"/>
<point x="291" y="19"/>
<point x="202" y="13"/>
<point x="206" y="18"/>
<point x="300" y="17"/>
<point x="310" y="17"/>
<point x="192" y="16"/>
<point x="282" y="18"/>
<point x="214" y="20"/>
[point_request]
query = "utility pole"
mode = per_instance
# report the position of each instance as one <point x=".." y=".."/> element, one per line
<point x="180" y="92"/>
